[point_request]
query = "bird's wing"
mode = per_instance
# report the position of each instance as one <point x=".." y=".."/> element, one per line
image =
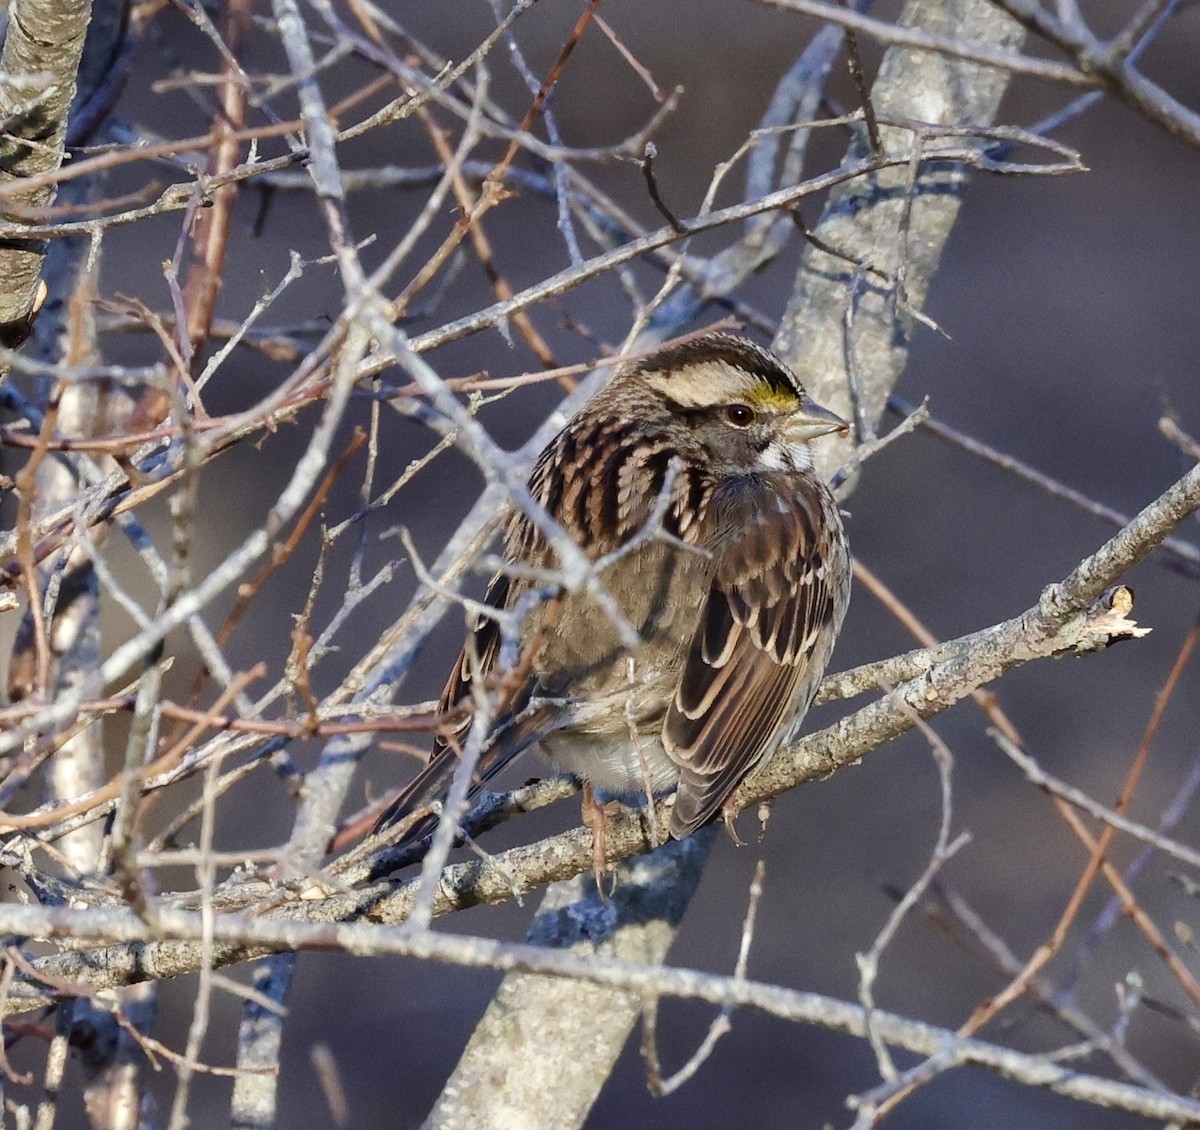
<point x="761" y="645"/>
<point x="583" y="507"/>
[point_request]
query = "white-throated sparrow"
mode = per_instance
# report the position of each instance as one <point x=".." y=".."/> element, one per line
<point x="688" y="477"/>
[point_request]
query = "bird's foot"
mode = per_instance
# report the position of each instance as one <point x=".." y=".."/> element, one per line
<point x="595" y="818"/>
<point x="729" y="814"/>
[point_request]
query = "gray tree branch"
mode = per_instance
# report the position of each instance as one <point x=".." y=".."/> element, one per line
<point x="38" y="69"/>
<point x="641" y="981"/>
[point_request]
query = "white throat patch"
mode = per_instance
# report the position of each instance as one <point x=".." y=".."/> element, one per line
<point x="779" y="455"/>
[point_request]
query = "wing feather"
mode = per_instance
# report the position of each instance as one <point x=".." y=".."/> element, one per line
<point x="762" y="643"/>
<point x="587" y="506"/>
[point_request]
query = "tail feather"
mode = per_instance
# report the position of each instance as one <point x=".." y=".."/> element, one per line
<point x="432" y="783"/>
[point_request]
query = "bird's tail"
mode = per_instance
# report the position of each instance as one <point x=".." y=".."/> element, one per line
<point x="432" y="783"/>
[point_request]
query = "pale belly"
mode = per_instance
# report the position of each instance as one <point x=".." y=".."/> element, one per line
<point x="616" y="765"/>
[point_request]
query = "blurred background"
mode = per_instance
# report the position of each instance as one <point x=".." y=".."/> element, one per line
<point x="1071" y="311"/>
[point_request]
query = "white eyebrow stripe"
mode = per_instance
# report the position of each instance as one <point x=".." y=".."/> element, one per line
<point x="692" y="387"/>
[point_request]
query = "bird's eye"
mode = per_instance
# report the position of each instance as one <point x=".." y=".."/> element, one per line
<point x="739" y="415"/>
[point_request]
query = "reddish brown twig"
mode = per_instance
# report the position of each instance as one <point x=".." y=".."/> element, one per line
<point x="282" y="552"/>
<point x="488" y="200"/>
<point x="29" y="669"/>
<point x="210" y="228"/>
<point x="472" y="219"/>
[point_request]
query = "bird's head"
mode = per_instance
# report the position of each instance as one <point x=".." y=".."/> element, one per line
<point x="741" y="403"/>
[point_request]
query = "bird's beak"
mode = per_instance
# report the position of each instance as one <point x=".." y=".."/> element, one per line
<point x="811" y="420"/>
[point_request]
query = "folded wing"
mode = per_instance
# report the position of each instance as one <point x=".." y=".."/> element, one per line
<point x="762" y="644"/>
